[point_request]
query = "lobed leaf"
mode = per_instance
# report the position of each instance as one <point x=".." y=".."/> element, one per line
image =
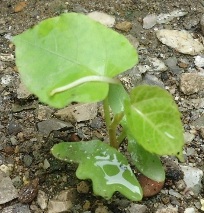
<point x="105" y="166"/>
<point x="61" y="50"/>
<point x="154" y="121"/>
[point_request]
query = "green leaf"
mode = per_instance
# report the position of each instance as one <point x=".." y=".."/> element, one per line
<point x="147" y="163"/>
<point x="154" y="121"/>
<point x="105" y="166"/>
<point x="65" y="49"/>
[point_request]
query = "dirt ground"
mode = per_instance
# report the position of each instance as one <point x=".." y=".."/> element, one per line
<point x="27" y="149"/>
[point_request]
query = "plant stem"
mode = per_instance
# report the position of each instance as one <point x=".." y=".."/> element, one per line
<point x="121" y="137"/>
<point x="113" y="128"/>
<point x="106" y="110"/>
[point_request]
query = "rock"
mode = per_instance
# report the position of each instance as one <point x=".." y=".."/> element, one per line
<point x="20" y="6"/>
<point x="103" y="18"/>
<point x="168" y="210"/>
<point x="199" y="60"/>
<point x="67" y="195"/>
<point x="182" y="41"/>
<point x="202" y="24"/>
<point x="149" y="187"/>
<point x="14" y="128"/>
<point x="188" y="137"/>
<point x="78" y="112"/>
<point x="6" y="80"/>
<point x="42" y="199"/>
<point x="133" y="40"/>
<point x="6" y="57"/>
<point x="17" y="208"/>
<point x="152" y="80"/>
<point x="172" y="65"/>
<point x="192" y="178"/>
<point x="167" y="17"/>
<point x="156" y="65"/>
<point x="27" y="159"/>
<point x="191" y="83"/>
<point x="22" y="92"/>
<point x="83" y="187"/>
<point x="7" y="191"/>
<point x="50" y="125"/>
<point x="44" y="112"/>
<point x="46" y="164"/>
<point x="102" y="209"/>
<point x="202" y="204"/>
<point x="190" y="210"/>
<point x="149" y="21"/>
<point x="199" y="123"/>
<point x="125" y="26"/>
<point x="136" y="208"/>
<point x="57" y="206"/>
<point x="191" y="21"/>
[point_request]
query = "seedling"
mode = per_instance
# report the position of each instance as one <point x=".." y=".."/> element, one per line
<point x="71" y="58"/>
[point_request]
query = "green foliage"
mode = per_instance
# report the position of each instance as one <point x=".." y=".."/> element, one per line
<point x="67" y="48"/>
<point x="72" y="58"/>
<point x="105" y="166"/>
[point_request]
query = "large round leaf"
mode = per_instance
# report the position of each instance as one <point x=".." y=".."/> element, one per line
<point x="64" y="49"/>
<point x="154" y="121"/>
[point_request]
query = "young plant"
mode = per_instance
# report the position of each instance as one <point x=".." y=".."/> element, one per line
<point x="72" y="58"/>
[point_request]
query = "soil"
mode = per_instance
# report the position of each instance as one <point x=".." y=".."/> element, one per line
<point x="26" y="148"/>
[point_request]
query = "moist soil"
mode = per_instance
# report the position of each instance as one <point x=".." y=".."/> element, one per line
<point x="27" y="149"/>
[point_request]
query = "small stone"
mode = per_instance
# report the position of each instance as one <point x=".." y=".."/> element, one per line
<point x="56" y="206"/>
<point x="202" y="204"/>
<point x="167" y="17"/>
<point x="125" y="26"/>
<point x="202" y="132"/>
<point x="181" y="41"/>
<point x="14" y="128"/>
<point x="102" y="209"/>
<point x="86" y="205"/>
<point x="78" y="112"/>
<point x="83" y="187"/>
<point x="188" y="137"/>
<point x="192" y="178"/>
<point x="199" y="60"/>
<point x="7" y="191"/>
<point x="27" y="159"/>
<point x="172" y="64"/>
<point x="44" y="112"/>
<point x="190" y="210"/>
<point x="20" y="6"/>
<point x="22" y="92"/>
<point x="202" y="24"/>
<point x="50" y="125"/>
<point x="191" y="83"/>
<point x="67" y="195"/>
<point x="103" y="18"/>
<point x="17" y="208"/>
<point x="133" y="40"/>
<point x="136" y="208"/>
<point x="46" y="164"/>
<point x="149" y="21"/>
<point x="168" y="210"/>
<point x="199" y="123"/>
<point x="42" y="199"/>
<point x="157" y="65"/>
<point x="152" y="80"/>
<point x="29" y="191"/>
<point x="149" y="187"/>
